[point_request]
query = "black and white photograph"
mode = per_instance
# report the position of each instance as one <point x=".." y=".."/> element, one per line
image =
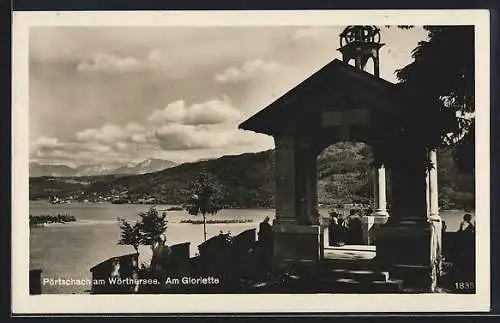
<point x="259" y="158"/>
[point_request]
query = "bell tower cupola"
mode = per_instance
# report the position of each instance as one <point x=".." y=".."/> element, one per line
<point x="361" y="43"/>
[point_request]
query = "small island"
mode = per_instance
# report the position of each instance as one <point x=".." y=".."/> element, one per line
<point x="215" y="221"/>
<point x="175" y="208"/>
<point x="44" y="220"/>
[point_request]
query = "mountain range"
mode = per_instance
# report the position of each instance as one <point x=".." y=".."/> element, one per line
<point x="113" y="168"/>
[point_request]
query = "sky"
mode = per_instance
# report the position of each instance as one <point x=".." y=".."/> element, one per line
<point x="108" y="94"/>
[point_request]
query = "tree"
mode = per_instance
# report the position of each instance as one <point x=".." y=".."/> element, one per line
<point x="443" y="75"/>
<point x="206" y="196"/>
<point x="130" y="234"/>
<point x="146" y="231"/>
<point x="152" y="225"/>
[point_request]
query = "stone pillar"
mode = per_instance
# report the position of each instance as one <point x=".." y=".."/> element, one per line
<point x="433" y="184"/>
<point x="427" y="193"/>
<point x="307" y="183"/>
<point x="371" y="223"/>
<point x="409" y="201"/>
<point x="298" y="236"/>
<point x="380" y="192"/>
<point x="312" y="191"/>
<point x="404" y="243"/>
<point x="285" y="178"/>
<point x="435" y="220"/>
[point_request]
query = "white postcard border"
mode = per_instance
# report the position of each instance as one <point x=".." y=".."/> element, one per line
<point x="23" y="303"/>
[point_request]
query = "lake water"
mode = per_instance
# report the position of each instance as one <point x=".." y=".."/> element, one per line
<point x="70" y="250"/>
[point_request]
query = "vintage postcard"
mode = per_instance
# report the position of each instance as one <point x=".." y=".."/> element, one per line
<point x="251" y="161"/>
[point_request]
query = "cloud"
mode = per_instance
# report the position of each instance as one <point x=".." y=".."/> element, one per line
<point x="214" y="111"/>
<point x="156" y="56"/>
<point x="121" y="145"/>
<point x="45" y="142"/>
<point x="109" y="133"/>
<point x="205" y="125"/>
<point x="174" y="112"/>
<point x="45" y="148"/>
<point x="112" y="63"/>
<point x="251" y="139"/>
<point x="189" y="137"/>
<point x="208" y="127"/>
<point x="104" y="144"/>
<point x="248" y="70"/>
<point x="183" y="136"/>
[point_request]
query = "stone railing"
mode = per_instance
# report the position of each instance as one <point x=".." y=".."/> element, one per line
<point x="221" y="256"/>
<point x="225" y="256"/>
<point x="106" y="273"/>
<point x="121" y="267"/>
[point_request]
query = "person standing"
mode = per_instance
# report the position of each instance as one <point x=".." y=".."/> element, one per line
<point x="466" y="225"/>
<point x="145" y="257"/>
<point x="161" y="251"/>
<point x="265" y="231"/>
<point x="466" y="249"/>
<point x="265" y="237"/>
<point x="334" y="230"/>
<point x="355" y="230"/>
<point x="160" y="262"/>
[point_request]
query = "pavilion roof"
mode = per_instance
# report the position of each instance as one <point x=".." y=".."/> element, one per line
<point x="336" y="86"/>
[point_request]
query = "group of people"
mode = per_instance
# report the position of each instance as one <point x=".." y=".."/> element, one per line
<point x="345" y="230"/>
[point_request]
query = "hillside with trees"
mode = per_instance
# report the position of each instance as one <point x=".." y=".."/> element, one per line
<point x="344" y="176"/>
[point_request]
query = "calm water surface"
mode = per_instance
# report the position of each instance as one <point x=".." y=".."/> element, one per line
<point x="70" y="250"/>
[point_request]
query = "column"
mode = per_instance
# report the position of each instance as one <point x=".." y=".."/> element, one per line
<point x="306" y="183"/>
<point x="380" y="191"/>
<point x="285" y="178"/>
<point x="433" y="184"/>
<point x="313" y="212"/>
<point x="435" y="221"/>
<point x="427" y="193"/>
<point x="313" y="173"/>
<point x="409" y="186"/>
<point x="406" y="238"/>
<point x="409" y="244"/>
<point x="379" y="216"/>
<point x="298" y="238"/>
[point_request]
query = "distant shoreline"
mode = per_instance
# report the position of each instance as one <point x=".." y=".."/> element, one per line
<point x="226" y="208"/>
<point x="150" y="205"/>
<point x="216" y="221"/>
